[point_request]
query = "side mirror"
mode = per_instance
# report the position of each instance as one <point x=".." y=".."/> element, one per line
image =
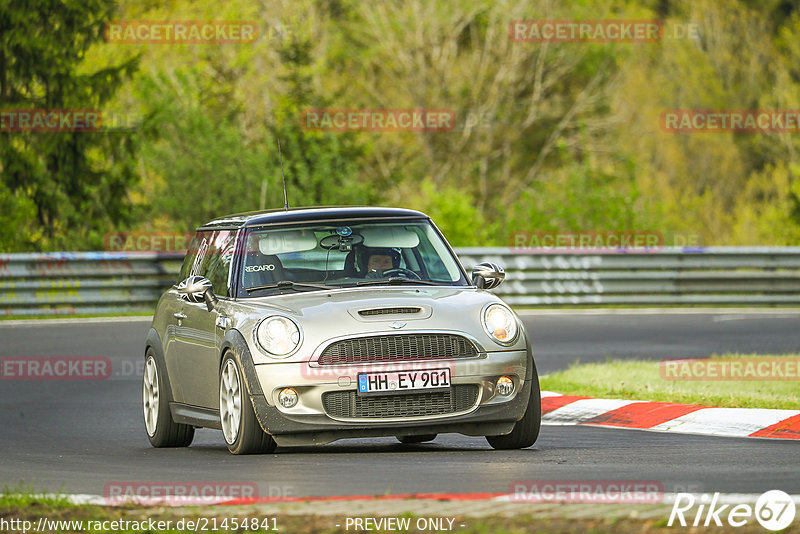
<point x="487" y="275"/>
<point x="198" y="289"/>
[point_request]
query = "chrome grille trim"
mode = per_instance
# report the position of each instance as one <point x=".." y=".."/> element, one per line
<point x="397" y="347"/>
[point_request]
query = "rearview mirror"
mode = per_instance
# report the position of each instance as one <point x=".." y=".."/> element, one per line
<point x="198" y="289"/>
<point x="487" y="275"/>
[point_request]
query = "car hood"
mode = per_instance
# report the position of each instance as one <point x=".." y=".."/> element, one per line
<point x="326" y="315"/>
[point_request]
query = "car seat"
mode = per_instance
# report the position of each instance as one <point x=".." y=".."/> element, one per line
<point x="265" y="270"/>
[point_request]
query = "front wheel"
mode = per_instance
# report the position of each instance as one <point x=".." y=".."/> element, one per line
<point x="162" y="431"/>
<point x="243" y="434"/>
<point x="526" y="430"/>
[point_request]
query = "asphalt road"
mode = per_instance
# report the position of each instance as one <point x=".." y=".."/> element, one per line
<point x="80" y="436"/>
<point x="560" y="339"/>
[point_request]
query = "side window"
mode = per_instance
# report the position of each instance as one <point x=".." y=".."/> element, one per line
<point x="189" y="259"/>
<point x="195" y="256"/>
<point x="217" y="261"/>
<point x="202" y="254"/>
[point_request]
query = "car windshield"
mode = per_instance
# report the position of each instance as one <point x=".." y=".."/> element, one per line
<point x="313" y="257"/>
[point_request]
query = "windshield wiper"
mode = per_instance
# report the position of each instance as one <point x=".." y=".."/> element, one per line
<point x="288" y="284"/>
<point x="396" y="280"/>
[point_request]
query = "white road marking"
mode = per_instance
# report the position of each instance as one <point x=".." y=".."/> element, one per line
<point x="583" y="410"/>
<point x="736" y="422"/>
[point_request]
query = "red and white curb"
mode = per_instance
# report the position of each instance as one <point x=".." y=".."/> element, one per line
<point x="558" y="409"/>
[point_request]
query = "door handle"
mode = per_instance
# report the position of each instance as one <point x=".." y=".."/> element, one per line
<point x="179" y="315"/>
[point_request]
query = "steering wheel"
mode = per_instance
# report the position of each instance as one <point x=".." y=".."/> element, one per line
<point x="405" y="272"/>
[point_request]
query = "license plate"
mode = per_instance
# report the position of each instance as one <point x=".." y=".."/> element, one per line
<point x="397" y="381"/>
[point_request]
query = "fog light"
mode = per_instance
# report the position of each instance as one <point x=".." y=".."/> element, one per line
<point x="288" y="397"/>
<point x="505" y="386"/>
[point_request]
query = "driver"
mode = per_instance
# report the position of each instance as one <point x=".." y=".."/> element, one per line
<point x="380" y="260"/>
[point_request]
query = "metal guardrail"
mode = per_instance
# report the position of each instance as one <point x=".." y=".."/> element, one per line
<point x="108" y="282"/>
<point x="69" y="283"/>
<point x="671" y="276"/>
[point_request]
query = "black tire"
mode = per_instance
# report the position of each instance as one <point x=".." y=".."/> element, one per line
<point x="167" y="432"/>
<point x="250" y="437"/>
<point x="416" y="439"/>
<point x="526" y="430"/>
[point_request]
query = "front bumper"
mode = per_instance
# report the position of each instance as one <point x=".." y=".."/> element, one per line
<point x="309" y="423"/>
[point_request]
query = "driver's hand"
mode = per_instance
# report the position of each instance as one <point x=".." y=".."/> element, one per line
<point x="374" y="274"/>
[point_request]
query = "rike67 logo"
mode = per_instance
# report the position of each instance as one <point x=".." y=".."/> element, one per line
<point x="774" y="510"/>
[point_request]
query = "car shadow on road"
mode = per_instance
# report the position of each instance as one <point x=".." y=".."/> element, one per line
<point x="368" y="448"/>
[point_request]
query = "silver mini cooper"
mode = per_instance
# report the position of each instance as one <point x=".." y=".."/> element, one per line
<point x="306" y="326"/>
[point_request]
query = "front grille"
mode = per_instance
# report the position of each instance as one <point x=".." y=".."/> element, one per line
<point x="389" y="311"/>
<point x="348" y="404"/>
<point x="397" y="347"/>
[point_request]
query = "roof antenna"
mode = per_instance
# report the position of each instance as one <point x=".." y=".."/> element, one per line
<point x="285" y="197"/>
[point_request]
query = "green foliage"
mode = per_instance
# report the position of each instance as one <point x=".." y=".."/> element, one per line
<point x="454" y="212"/>
<point x="322" y="168"/>
<point x="204" y="162"/>
<point x="76" y="182"/>
<point x="555" y="136"/>
<point x="16" y="209"/>
<point x="199" y="164"/>
<point x="580" y="197"/>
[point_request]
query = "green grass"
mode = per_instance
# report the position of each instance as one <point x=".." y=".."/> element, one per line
<point x="22" y="497"/>
<point x="642" y="380"/>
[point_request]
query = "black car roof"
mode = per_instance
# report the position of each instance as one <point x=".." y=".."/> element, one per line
<point x="278" y="216"/>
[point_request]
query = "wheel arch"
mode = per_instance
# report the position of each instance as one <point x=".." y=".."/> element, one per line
<point x="235" y="343"/>
<point x="153" y="341"/>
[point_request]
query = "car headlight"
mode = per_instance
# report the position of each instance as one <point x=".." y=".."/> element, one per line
<point x="500" y="323"/>
<point x="278" y="335"/>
